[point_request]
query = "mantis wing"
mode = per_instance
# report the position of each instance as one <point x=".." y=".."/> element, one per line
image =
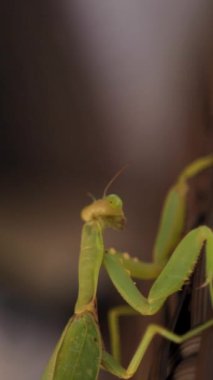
<point x="78" y="353"/>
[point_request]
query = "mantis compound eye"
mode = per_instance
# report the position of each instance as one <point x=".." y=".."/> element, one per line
<point x="115" y="201"/>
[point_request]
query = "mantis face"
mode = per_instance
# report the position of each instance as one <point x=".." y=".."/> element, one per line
<point x="108" y="210"/>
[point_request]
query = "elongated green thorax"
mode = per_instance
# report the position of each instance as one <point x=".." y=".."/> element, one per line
<point x="90" y="261"/>
<point x="100" y="214"/>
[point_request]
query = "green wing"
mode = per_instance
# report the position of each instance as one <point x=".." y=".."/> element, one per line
<point x="77" y="355"/>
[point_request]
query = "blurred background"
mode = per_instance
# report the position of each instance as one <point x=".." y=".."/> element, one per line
<point x="86" y="87"/>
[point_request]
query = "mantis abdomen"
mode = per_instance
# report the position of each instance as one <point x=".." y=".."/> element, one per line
<point x="78" y="353"/>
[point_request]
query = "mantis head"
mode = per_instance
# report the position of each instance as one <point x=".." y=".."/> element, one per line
<point x="107" y="210"/>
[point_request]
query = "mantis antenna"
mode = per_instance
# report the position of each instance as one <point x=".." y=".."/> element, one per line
<point x="117" y="174"/>
<point x="91" y="196"/>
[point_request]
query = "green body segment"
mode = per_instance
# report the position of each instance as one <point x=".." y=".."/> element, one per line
<point x="171" y="223"/>
<point x="79" y="352"/>
<point x="90" y="261"/>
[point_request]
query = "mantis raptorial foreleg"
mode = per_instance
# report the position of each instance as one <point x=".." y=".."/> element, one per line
<point x="173" y="271"/>
<point x="178" y="268"/>
<point x="170" y="280"/>
<point x="171" y="225"/>
<point x="172" y="277"/>
<point x="79" y="353"/>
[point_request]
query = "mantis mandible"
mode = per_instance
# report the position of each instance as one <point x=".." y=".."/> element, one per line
<point x="80" y="352"/>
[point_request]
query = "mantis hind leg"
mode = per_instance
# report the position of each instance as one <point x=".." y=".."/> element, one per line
<point x="113" y="322"/>
<point x="112" y="365"/>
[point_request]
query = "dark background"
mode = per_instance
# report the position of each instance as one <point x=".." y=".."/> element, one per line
<point x="86" y="87"/>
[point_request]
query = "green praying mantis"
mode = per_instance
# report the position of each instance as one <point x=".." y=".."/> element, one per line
<point x="80" y="353"/>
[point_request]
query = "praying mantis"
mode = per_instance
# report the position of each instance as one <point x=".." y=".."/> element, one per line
<point x="80" y="353"/>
